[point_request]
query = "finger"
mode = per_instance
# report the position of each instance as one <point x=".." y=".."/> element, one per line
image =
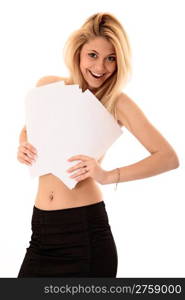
<point x="27" y="150"/>
<point x="79" y="165"/>
<point x="23" y="161"/>
<point x="32" y="148"/>
<point x="27" y="153"/>
<point x="76" y="174"/>
<point x="29" y="147"/>
<point x="29" y="160"/>
<point x="24" y="158"/>
<point x="82" y="177"/>
<point x="79" y="157"/>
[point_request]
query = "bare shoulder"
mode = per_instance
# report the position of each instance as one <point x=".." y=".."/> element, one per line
<point x="49" y="79"/>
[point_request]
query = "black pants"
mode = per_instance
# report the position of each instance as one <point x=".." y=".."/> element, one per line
<point x="71" y="242"/>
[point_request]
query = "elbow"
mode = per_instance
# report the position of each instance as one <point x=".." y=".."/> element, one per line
<point x="173" y="160"/>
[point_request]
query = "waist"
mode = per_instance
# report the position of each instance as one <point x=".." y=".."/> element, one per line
<point x="71" y="215"/>
<point x="54" y="194"/>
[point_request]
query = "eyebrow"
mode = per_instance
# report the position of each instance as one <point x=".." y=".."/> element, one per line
<point x="98" y="53"/>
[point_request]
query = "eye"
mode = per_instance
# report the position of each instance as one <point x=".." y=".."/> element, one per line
<point x="112" y="57"/>
<point x="91" y="54"/>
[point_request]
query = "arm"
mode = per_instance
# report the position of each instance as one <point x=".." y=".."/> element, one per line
<point x="163" y="157"/>
<point x="23" y="135"/>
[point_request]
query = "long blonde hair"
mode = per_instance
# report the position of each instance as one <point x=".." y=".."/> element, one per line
<point x="104" y="25"/>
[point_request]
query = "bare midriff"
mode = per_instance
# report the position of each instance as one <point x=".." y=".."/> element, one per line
<point x="53" y="194"/>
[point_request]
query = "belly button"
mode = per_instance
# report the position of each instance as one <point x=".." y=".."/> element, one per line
<point x="51" y="196"/>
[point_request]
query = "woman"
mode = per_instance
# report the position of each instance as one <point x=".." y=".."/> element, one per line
<point x="71" y="233"/>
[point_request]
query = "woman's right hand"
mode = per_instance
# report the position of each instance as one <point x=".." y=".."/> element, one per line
<point x="26" y="153"/>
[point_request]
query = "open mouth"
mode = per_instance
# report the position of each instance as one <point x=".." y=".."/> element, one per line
<point x="96" y="77"/>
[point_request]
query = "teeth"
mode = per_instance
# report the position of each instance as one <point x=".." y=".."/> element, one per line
<point x="98" y="75"/>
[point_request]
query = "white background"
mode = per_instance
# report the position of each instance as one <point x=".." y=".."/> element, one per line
<point x="146" y="215"/>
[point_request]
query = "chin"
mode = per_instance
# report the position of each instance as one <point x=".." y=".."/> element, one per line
<point x="94" y="87"/>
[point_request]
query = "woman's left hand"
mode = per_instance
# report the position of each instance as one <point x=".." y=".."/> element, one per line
<point x="89" y="167"/>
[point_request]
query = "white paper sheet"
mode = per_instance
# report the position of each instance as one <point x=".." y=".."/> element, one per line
<point x="61" y="122"/>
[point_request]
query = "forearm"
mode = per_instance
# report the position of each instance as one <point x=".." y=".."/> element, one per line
<point x="152" y="165"/>
<point x="23" y="136"/>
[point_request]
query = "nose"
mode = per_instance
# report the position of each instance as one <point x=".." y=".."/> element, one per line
<point x="99" y="67"/>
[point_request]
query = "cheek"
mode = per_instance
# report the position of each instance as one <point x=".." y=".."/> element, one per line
<point x="112" y="68"/>
<point x="84" y="61"/>
<point x="84" y="65"/>
<point x="81" y="65"/>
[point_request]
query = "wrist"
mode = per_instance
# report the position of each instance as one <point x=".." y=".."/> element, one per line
<point x="111" y="176"/>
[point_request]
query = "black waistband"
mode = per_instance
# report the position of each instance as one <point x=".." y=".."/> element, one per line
<point x="67" y="215"/>
<point x="84" y="207"/>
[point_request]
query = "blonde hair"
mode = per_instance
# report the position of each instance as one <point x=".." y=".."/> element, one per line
<point x="107" y="26"/>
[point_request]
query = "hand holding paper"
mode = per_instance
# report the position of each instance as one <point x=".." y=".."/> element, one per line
<point x="92" y="169"/>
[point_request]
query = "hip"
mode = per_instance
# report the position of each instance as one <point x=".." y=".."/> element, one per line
<point x="72" y="242"/>
<point x="69" y="226"/>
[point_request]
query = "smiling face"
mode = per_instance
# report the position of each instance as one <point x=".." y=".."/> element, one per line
<point x="97" y="61"/>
